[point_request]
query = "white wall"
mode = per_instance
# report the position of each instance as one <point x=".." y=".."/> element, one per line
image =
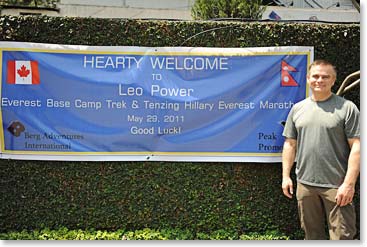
<point x="146" y="4"/>
<point x="16" y="11"/>
<point x="114" y="12"/>
<point x="332" y="15"/>
<point x="331" y="4"/>
<point x="160" y="9"/>
<point x="180" y="9"/>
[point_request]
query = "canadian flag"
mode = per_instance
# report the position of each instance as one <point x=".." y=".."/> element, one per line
<point x="287" y="79"/>
<point x="23" y="72"/>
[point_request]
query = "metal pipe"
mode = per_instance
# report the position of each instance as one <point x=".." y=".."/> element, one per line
<point x="348" y="83"/>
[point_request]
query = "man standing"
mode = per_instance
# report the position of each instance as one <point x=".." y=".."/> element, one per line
<point x="322" y="134"/>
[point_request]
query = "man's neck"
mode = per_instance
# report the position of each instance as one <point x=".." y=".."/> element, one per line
<point x="320" y="97"/>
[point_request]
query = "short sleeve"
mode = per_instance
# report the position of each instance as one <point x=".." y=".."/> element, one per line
<point x="290" y="130"/>
<point x="352" y="128"/>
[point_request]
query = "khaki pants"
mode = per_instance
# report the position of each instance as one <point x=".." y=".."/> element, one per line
<point x="316" y="203"/>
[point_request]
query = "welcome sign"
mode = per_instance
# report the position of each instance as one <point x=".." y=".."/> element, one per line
<point x="64" y="102"/>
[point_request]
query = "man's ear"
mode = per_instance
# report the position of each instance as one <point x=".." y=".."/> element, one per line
<point x="307" y="78"/>
<point x="334" y="80"/>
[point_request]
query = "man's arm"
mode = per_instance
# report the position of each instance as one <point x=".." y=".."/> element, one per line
<point x="346" y="190"/>
<point x="288" y="157"/>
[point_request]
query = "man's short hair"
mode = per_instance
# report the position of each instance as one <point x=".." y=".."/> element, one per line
<point x="322" y="62"/>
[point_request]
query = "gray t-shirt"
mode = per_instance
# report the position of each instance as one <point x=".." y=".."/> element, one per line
<point x="322" y="130"/>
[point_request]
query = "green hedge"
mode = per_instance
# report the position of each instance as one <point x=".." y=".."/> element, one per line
<point x="200" y="197"/>
<point x="114" y="195"/>
<point x="144" y="234"/>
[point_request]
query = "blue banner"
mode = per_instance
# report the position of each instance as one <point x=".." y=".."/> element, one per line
<point x="148" y="103"/>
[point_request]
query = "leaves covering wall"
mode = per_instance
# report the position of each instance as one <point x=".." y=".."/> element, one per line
<point x="241" y="197"/>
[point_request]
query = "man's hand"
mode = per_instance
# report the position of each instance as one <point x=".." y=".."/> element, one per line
<point x="287" y="186"/>
<point x="345" y="194"/>
<point x="346" y="191"/>
<point x="288" y="156"/>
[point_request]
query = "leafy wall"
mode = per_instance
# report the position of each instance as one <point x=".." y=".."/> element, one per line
<point x="241" y="197"/>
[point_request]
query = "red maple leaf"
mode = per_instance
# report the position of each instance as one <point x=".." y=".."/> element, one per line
<point x="23" y="71"/>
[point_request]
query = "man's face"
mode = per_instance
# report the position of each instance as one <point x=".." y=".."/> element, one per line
<point x="321" y="78"/>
